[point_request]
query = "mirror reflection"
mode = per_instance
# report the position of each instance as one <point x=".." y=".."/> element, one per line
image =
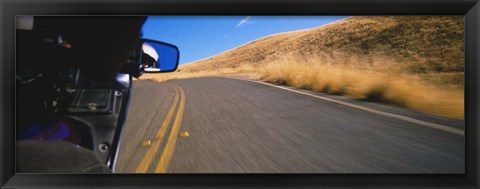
<point x="159" y="57"/>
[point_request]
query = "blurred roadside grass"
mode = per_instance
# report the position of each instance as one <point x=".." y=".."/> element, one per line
<point x="378" y="81"/>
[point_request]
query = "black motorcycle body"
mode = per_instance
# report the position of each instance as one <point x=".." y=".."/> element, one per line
<point x="66" y="93"/>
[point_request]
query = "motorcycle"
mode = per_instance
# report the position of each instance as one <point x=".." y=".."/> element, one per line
<point x="61" y="99"/>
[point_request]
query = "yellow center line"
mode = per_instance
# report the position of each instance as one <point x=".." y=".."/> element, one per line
<point x="147" y="159"/>
<point x="164" y="161"/>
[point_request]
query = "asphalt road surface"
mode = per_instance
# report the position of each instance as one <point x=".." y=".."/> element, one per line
<point x="224" y="125"/>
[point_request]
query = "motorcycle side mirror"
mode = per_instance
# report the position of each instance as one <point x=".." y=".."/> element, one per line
<point x="158" y="57"/>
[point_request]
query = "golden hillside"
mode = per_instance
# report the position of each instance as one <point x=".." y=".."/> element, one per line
<point x="419" y="43"/>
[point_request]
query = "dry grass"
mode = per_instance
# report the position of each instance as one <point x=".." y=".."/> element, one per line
<point x="414" y="61"/>
<point x="362" y="82"/>
<point x="371" y="85"/>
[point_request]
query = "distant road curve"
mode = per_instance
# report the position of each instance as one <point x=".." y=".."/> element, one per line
<point x="237" y="126"/>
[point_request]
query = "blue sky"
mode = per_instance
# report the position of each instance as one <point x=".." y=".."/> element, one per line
<point x="200" y="37"/>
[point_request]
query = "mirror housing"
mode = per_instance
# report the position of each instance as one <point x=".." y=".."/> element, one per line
<point x="158" y="57"/>
<point x="152" y="56"/>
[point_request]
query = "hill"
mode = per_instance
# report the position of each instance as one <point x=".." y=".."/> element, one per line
<point x="419" y="44"/>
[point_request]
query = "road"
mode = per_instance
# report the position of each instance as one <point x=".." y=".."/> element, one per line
<point x="237" y="126"/>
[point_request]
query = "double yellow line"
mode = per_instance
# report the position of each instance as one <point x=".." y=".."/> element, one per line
<point x="167" y="153"/>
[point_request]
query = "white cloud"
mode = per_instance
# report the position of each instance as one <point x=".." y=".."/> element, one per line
<point x="225" y="36"/>
<point x="243" y="21"/>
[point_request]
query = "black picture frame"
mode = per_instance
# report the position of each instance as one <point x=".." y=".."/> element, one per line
<point x="9" y="9"/>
